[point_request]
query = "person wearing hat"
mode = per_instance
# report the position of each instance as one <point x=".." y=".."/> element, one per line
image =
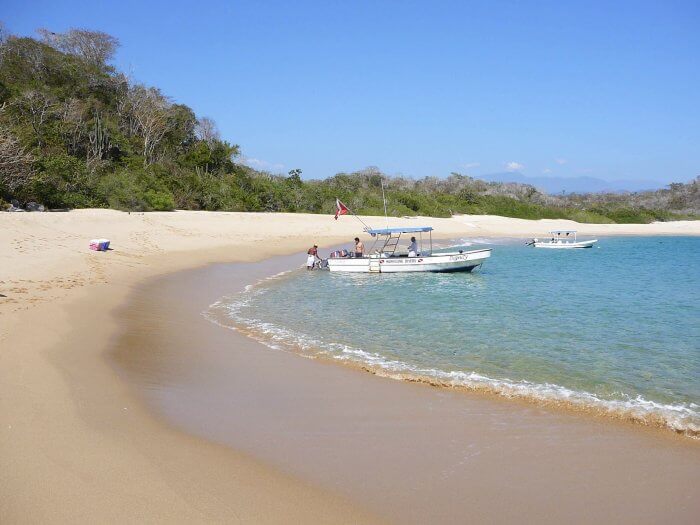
<point x="312" y="256"/>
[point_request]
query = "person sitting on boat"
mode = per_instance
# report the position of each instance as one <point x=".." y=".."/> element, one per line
<point x="413" y="248"/>
<point x="359" y="248"/>
<point x="312" y="256"/>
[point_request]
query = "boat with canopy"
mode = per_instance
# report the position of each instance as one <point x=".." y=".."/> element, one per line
<point x="385" y="255"/>
<point x="562" y="239"/>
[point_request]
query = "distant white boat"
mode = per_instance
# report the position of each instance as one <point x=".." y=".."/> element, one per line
<point x="562" y="240"/>
<point x="383" y="256"/>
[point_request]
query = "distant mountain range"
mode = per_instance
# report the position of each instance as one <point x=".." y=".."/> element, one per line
<point x="556" y="185"/>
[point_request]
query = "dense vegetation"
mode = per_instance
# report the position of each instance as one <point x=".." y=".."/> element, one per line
<point x="74" y="132"/>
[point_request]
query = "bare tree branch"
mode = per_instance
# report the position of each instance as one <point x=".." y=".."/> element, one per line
<point x="38" y="107"/>
<point x="150" y="114"/>
<point x="72" y="124"/>
<point x="4" y="34"/>
<point x="16" y="164"/>
<point x="95" y="47"/>
<point x="207" y="130"/>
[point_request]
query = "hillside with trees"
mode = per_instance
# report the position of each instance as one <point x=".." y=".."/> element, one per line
<point x="75" y="133"/>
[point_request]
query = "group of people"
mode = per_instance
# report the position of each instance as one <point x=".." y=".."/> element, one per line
<point x="313" y="257"/>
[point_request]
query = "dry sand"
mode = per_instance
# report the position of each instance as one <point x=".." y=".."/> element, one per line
<point x="76" y="444"/>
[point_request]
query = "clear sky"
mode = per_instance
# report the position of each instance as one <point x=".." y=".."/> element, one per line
<point x="603" y="89"/>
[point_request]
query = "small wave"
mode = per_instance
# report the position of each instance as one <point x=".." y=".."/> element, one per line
<point x="681" y="418"/>
<point x="476" y="240"/>
<point x="496" y="241"/>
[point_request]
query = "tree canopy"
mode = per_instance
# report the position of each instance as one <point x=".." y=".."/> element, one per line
<point x="75" y="132"/>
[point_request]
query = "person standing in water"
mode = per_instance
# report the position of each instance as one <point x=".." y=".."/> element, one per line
<point x="359" y="248"/>
<point x="312" y="256"/>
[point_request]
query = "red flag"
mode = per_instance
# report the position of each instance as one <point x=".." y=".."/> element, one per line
<point x="340" y="209"/>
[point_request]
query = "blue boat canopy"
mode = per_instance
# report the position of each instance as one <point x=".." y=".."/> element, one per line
<point x="407" y="229"/>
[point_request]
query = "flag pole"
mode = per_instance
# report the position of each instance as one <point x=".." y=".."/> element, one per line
<point x="367" y="228"/>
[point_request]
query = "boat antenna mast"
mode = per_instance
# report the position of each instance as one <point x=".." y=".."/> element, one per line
<point x="386" y="215"/>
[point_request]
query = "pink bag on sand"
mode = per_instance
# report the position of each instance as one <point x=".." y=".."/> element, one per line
<point x="99" y="245"/>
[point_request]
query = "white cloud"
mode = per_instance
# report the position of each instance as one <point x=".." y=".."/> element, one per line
<point x="260" y="164"/>
<point x="546" y="170"/>
<point x="469" y="165"/>
<point x="514" y="166"/>
<point x="560" y="161"/>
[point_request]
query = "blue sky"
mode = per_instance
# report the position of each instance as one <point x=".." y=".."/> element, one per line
<point x="563" y="89"/>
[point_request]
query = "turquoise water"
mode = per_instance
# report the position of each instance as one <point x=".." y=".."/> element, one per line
<point x="615" y="328"/>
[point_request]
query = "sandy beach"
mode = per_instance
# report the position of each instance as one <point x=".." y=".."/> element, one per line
<point x="93" y="346"/>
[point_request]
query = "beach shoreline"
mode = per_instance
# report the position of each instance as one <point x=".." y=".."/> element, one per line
<point x="366" y="436"/>
<point x="562" y="399"/>
<point x="74" y="438"/>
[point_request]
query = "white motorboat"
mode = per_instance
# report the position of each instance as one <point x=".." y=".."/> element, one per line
<point x="562" y="239"/>
<point x="384" y="256"/>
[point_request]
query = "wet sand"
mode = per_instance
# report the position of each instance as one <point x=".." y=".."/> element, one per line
<point x="405" y="452"/>
<point x="77" y="446"/>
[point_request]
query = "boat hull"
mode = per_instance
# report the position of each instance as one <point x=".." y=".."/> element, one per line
<point x="440" y="263"/>
<point x="566" y="245"/>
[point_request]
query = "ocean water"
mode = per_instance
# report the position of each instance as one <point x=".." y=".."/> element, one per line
<point x="614" y="329"/>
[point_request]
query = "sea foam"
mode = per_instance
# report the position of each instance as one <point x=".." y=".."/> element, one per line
<point x="681" y="418"/>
